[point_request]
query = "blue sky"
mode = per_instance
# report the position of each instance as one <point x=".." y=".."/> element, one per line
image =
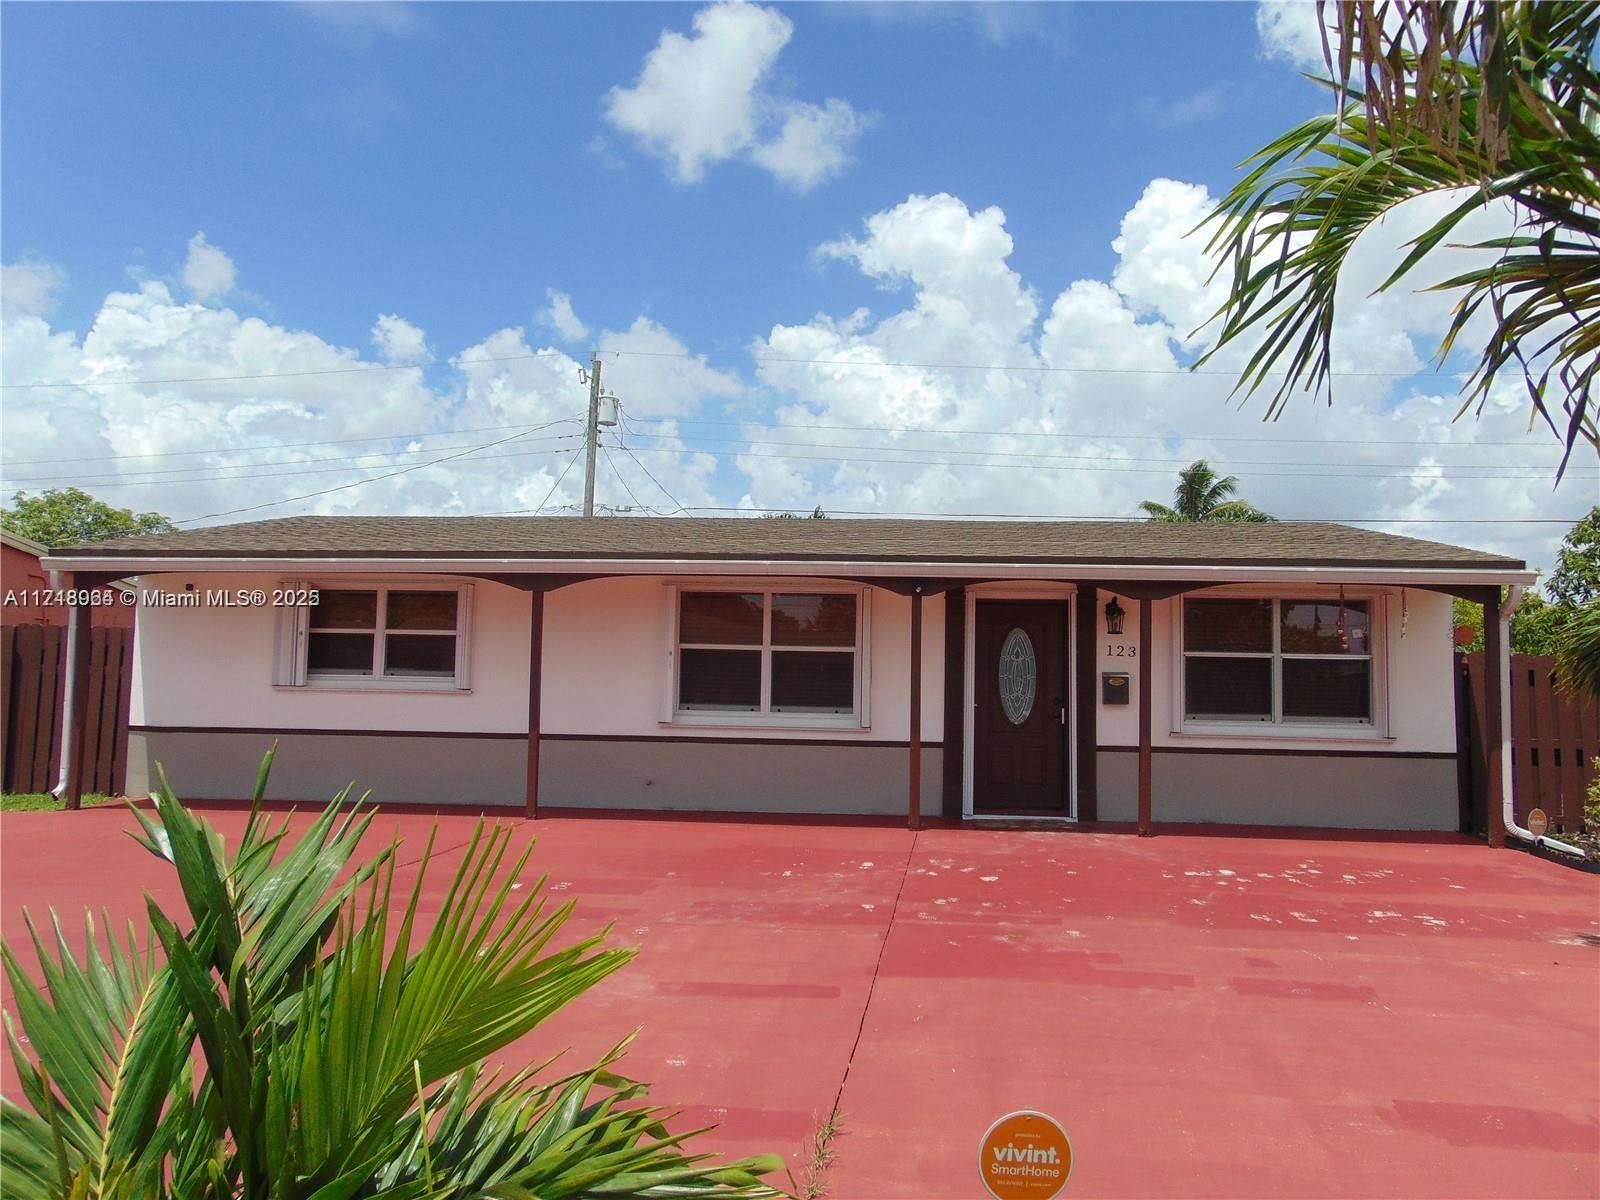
<point x="961" y="173"/>
<point x="442" y="164"/>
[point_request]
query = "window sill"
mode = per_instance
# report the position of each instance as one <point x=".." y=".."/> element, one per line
<point x="758" y="722"/>
<point x="1242" y="732"/>
<point x="369" y="686"/>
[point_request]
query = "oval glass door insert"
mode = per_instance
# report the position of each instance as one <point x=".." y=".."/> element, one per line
<point x="1019" y="676"/>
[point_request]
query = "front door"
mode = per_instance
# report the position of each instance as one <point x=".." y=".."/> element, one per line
<point x="1019" y="756"/>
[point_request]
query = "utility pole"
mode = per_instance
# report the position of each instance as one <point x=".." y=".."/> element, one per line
<point x="591" y="433"/>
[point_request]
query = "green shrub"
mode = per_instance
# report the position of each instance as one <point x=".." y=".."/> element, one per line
<point x="304" y="1037"/>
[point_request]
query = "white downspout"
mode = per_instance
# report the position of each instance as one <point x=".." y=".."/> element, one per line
<point x="1509" y="606"/>
<point x="67" y="747"/>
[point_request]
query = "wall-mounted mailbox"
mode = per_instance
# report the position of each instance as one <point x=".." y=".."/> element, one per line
<point x="1113" y="687"/>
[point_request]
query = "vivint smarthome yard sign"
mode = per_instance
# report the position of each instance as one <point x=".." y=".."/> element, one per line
<point x="1025" y="1156"/>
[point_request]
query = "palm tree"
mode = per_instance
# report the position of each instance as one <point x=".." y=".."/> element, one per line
<point x="1482" y="103"/>
<point x="1578" y="652"/>
<point x="303" y="1036"/>
<point x="1203" y="495"/>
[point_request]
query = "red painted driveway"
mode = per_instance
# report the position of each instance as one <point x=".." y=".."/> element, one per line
<point x="1205" y="1015"/>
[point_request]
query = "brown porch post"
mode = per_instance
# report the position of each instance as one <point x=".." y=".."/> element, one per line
<point x="75" y="730"/>
<point x="1087" y="703"/>
<point x="955" y="692"/>
<point x="1146" y="639"/>
<point x="535" y="689"/>
<point x="914" y="800"/>
<point x="1494" y="684"/>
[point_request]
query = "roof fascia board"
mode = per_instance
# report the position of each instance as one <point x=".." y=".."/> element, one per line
<point x="1110" y="572"/>
<point x="27" y="545"/>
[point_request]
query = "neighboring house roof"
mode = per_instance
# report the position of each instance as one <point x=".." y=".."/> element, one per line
<point x="27" y="545"/>
<point x="737" y="539"/>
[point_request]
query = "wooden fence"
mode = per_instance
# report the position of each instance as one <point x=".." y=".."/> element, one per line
<point x="1555" y="741"/>
<point x="32" y="681"/>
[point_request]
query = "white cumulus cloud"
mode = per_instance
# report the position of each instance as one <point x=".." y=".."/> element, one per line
<point x="29" y="289"/>
<point x="701" y="100"/>
<point x="1289" y="30"/>
<point x="399" y="341"/>
<point x="560" y="317"/>
<point x="965" y="389"/>
<point x="813" y="144"/>
<point x="1097" y="411"/>
<point x="654" y="373"/>
<point x="208" y="272"/>
<point x="294" y="423"/>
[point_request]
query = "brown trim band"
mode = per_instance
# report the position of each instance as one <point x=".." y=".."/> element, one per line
<point x="1283" y="752"/>
<point x="547" y="737"/>
<point x="735" y="741"/>
<point x="289" y="732"/>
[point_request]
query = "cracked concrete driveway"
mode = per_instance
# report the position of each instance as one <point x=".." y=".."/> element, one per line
<point x="1205" y="1015"/>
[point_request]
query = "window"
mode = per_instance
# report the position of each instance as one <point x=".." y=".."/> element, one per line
<point x="769" y="656"/>
<point x="1281" y="661"/>
<point x="389" y="636"/>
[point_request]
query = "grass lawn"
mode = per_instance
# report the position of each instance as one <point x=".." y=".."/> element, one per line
<point x="42" y="801"/>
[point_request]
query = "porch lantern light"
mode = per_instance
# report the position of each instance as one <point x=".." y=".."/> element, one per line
<point x="1114" y="615"/>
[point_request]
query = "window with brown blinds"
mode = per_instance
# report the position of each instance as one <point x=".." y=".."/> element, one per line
<point x="1277" y="661"/>
<point x="769" y="653"/>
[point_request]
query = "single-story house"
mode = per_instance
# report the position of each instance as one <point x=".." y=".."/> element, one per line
<point x="1296" y="674"/>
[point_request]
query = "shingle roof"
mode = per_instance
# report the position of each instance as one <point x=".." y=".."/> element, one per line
<point x="1284" y="543"/>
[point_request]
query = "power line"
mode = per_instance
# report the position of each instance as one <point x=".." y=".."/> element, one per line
<point x="1029" y="466"/>
<point x="364" y="369"/>
<point x="1532" y="473"/>
<point x="870" y="364"/>
<point x="610" y="462"/>
<point x="987" y="516"/>
<point x="377" y="437"/>
<point x="1041" y="462"/>
<point x="359" y="482"/>
<point x="200" y="474"/>
<point x="556" y="484"/>
<point x="191" y="474"/>
<point x="1032" y="433"/>
<point x="629" y="452"/>
<point x="1029" y="368"/>
<point x="908" y="429"/>
<point x="113" y="482"/>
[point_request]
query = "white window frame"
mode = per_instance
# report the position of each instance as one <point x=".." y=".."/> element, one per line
<point x="858" y="718"/>
<point x="294" y="639"/>
<point x="1371" y="728"/>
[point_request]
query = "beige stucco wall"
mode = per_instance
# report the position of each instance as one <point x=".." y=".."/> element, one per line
<point x="606" y="669"/>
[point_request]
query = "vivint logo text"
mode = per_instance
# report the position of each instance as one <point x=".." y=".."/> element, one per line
<point x="1025" y="1156"/>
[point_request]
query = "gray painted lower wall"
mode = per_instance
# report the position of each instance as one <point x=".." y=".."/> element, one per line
<point x="1369" y="792"/>
<point x="726" y="776"/>
<point x="1329" y="791"/>
<point x="734" y="777"/>
<point x="309" y="767"/>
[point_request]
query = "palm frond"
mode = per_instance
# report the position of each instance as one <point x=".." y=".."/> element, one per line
<point x="1485" y="104"/>
<point x="302" y="1034"/>
<point x="1578" y="653"/>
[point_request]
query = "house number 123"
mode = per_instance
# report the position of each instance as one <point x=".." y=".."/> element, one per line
<point x="1122" y="650"/>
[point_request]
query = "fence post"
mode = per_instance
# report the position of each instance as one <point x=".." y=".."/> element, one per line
<point x="75" y="710"/>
